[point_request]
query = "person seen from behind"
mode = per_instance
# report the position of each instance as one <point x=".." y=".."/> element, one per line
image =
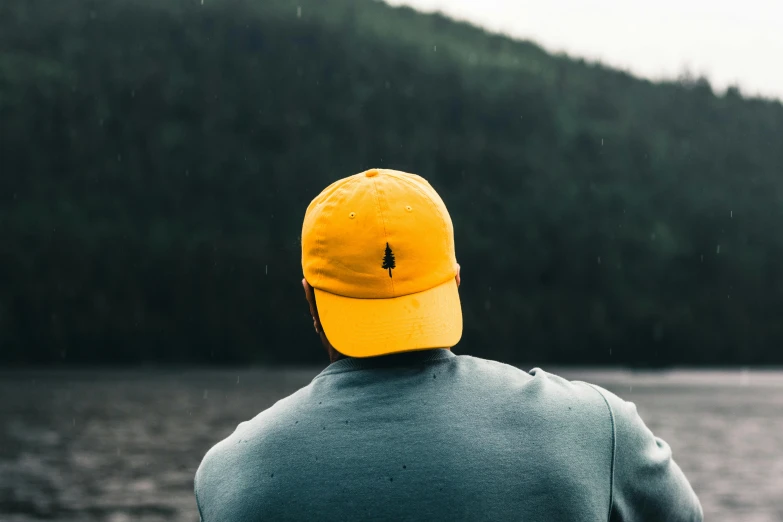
<point x="399" y="427"/>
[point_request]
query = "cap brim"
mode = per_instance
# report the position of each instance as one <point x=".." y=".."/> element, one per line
<point x="373" y="327"/>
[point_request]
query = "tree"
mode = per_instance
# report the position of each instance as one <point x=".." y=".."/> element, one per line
<point x="388" y="259"/>
<point x="163" y="188"/>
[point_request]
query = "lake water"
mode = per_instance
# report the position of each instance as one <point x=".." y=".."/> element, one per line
<point x="121" y="445"/>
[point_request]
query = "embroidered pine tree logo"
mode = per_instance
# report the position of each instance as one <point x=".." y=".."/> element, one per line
<point x="388" y="259"/>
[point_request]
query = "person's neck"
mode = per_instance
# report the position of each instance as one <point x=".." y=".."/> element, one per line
<point x="334" y="355"/>
<point x="391" y="358"/>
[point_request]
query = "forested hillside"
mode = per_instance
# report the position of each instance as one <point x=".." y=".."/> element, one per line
<point x="157" y="157"/>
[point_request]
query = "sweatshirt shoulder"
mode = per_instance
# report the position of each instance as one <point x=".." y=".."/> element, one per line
<point x="624" y="414"/>
<point x="536" y="383"/>
<point x="224" y="462"/>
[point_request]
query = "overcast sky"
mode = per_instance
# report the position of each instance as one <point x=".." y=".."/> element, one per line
<point x="729" y="42"/>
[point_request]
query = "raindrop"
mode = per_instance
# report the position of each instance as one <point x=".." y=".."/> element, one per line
<point x="435" y="48"/>
<point x="599" y="260"/>
<point x="266" y="269"/>
<point x="298" y="11"/>
<point x="731" y="213"/>
<point x="717" y="250"/>
<point x="206" y="393"/>
<point x="237" y="379"/>
<point x="602" y="142"/>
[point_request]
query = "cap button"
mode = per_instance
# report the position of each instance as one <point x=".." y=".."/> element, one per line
<point x="371" y="173"/>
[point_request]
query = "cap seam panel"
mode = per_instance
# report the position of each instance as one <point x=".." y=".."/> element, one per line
<point x="329" y="206"/>
<point x="383" y="222"/>
<point x="428" y="196"/>
<point x="437" y="207"/>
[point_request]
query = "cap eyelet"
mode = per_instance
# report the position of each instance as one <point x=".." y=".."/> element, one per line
<point x="352" y="215"/>
<point x="409" y="209"/>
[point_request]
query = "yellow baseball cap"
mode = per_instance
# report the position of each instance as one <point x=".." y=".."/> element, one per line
<point x="378" y="248"/>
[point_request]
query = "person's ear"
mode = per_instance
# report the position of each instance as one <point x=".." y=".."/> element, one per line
<point x="310" y="296"/>
<point x="457" y="278"/>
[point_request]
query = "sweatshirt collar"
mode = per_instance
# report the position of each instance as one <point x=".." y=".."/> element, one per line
<point x="387" y="361"/>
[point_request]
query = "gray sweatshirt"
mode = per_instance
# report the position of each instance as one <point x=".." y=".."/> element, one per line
<point x="431" y="435"/>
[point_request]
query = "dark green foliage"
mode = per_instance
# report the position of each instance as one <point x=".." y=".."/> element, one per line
<point x="157" y="157"/>
<point x="388" y="259"/>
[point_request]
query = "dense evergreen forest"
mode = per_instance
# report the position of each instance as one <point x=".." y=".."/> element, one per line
<point x="157" y="157"/>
